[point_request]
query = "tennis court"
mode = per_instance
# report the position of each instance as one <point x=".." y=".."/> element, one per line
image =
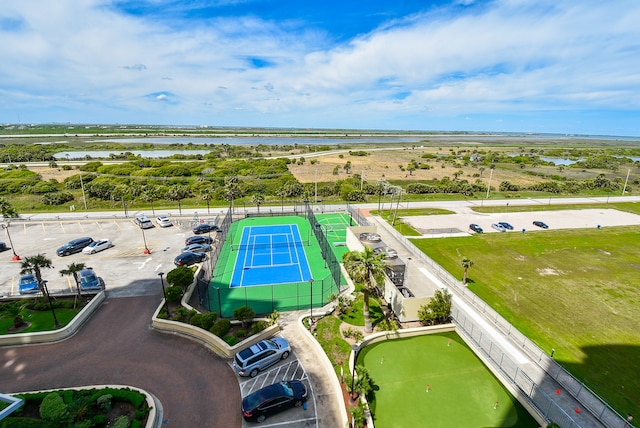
<point x="271" y="254"/>
<point x="334" y="226"/>
<point x="270" y="263"/>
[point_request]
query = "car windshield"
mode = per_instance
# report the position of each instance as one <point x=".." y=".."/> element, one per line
<point x="27" y="280"/>
<point x="87" y="279"/>
<point x="288" y="391"/>
<point x="266" y="393"/>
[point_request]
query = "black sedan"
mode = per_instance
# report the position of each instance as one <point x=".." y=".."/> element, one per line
<point x="541" y="224"/>
<point x="205" y="228"/>
<point x="273" y="399"/>
<point x="506" y="225"/>
<point x="475" y="228"/>
<point x="189" y="258"/>
<point x="198" y="239"/>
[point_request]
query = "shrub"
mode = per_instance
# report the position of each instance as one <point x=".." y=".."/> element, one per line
<point x="231" y="340"/>
<point x="221" y="327"/>
<point x="204" y="321"/>
<point x="174" y="293"/>
<point x="241" y="333"/>
<point x="181" y="276"/>
<point x="179" y="314"/>
<point x="104" y="402"/>
<point x="121" y="422"/>
<point x="57" y="198"/>
<point x="53" y="409"/>
<point x="244" y="314"/>
<point x="257" y="327"/>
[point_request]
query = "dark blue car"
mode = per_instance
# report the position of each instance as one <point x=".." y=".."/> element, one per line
<point x="273" y="399"/>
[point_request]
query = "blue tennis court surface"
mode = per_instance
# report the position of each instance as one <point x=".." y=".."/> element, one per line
<point x="270" y="255"/>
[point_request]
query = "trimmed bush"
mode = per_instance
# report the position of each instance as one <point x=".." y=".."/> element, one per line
<point x="174" y="293"/>
<point x="221" y="327"/>
<point x="53" y="409"/>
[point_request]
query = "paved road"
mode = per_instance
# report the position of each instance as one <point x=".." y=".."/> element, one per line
<point x="116" y="346"/>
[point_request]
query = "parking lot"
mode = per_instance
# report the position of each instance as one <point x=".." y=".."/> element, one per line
<point x="285" y="370"/>
<point x="125" y="268"/>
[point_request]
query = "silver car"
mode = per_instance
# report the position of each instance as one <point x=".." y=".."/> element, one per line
<point x="264" y="354"/>
<point x="498" y="227"/>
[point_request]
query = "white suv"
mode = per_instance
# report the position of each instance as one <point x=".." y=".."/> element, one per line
<point x="258" y="357"/>
<point x="143" y="222"/>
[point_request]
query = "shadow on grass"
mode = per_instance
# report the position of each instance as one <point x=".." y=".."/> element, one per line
<point x="623" y="396"/>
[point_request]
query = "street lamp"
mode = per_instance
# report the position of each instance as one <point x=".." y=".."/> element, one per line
<point x="46" y="290"/>
<point x="355" y="348"/>
<point x="311" y="303"/>
<point x="166" y="304"/>
<point x="15" y="256"/>
<point x="144" y="239"/>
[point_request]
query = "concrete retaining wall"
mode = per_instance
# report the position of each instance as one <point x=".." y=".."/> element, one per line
<point x="59" y="334"/>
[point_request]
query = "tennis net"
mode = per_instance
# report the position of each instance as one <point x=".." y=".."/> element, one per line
<point x="265" y="245"/>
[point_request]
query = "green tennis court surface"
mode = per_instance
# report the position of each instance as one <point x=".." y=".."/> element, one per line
<point x="429" y="381"/>
<point x="269" y="291"/>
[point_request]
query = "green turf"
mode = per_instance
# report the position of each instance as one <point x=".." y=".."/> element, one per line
<point x="572" y="290"/>
<point x="462" y="391"/>
<point x="336" y="231"/>
<point x="40" y="320"/>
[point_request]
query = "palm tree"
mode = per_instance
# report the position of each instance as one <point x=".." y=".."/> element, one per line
<point x="7" y="210"/>
<point x="258" y="199"/>
<point x="466" y="264"/>
<point x="34" y="265"/>
<point x="178" y="192"/>
<point x="206" y="194"/>
<point x="365" y="267"/>
<point x="73" y="269"/>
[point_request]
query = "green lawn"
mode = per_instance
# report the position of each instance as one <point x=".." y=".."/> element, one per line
<point x="462" y="391"/>
<point x="40" y="320"/>
<point x="631" y="207"/>
<point x="573" y="290"/>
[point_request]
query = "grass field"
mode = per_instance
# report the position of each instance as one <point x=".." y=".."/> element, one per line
<point x="572" y="290"/>
<point x="462" y="391"/>
<point x="40" y="320"/>
<point x="630" y="207"/>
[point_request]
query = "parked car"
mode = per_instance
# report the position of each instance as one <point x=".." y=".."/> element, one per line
<point x="273" y="399"/>
<point x="74" y="246"/>
<point x="89" y="280"/>
<point x="540" y="224"/>
<point x="189" y="258"/>
<point x="198" y="239"/>
<point x="163" y="221"/>
<point x="264" y="354"/>
<point x="498" y="227"/>
<point x="28" y="284"/>
<point x="3" y="247"/>
<point x="205" y="228"/>
<point x="388" y="252"/>
<point x="475" y="228"/>
<point x="505" y="225"/>
<point x="97" y="246"/>
<point x="197" y="248"/>
<point x="143" y="222"/>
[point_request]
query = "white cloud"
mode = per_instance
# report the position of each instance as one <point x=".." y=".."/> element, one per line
<point x="507" y="56"/>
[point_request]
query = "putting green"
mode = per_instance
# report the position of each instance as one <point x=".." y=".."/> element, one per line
<point x="437" y="381"/>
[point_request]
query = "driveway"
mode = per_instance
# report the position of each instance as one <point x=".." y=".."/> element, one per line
<point x="117" y="346"/>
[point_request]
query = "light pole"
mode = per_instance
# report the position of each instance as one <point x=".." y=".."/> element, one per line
<point x="15" y="256"/>
<point x="46" y="290"/>
<point x="144" y="239"/>
<point x="355" y="348"/>
<point x="311" y="303"/>
<point x="164" y="294"/>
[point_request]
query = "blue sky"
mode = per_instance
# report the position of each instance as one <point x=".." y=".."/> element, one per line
<point x="560" y="66"/>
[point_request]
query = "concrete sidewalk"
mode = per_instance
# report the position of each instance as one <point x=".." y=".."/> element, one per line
<point x="331" y="411"/>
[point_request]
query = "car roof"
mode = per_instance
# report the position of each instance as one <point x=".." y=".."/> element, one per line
<point x="256" y="398"/>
